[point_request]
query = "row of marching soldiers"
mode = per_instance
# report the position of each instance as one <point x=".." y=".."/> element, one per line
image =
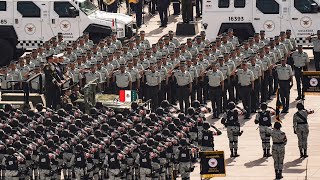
<point x="43" y="144"/>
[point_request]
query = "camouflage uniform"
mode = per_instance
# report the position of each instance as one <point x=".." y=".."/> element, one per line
<point x="301" y="128"/>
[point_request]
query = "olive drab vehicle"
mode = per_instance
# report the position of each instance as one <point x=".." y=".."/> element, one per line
<point x="246" y="17"/>
<point x="28" y="24"/>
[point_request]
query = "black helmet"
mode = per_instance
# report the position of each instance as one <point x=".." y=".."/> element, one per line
<point x="112" y="148"/>
<point x="152" y="115"/>
<point x="231" y="105"/>
<point x="195" y="104"/>
<point x="118" y="142"/>
<point x="119" y="117"/>
<point x="30" y="113"/>
<point x="11" y="150"/>
<point x="144" y="147"/>
<point x="206" y="125"/>
<point x="44" y="149"/>
<point x="165" y="104"/>
<point x="39" y="107"/>
<point x="160" y="111"/>
<point x="172" y="127"/>
<point x="300" y="106"/>
<point x="181" y="116"/>
<point x="93" y="111"/>
<point x="277" y="125"/>
<point x="134" y="105"/>
<point x="99" y="105"/>
<point x="183" y="142"/>
<point x="85" y="117"/>
<point x="79" y="147"/>
<point x="68" y="107"/>
<point x="150" y="142"/>
<point x="190" y="111"/>
<point x="8" y="107"/>
<point x="263" y="106"/>
<point x="176" y="121"/>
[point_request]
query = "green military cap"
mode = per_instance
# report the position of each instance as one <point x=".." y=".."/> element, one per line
<point x="152" y="64"/>
<point x="189" y="59"/>
<point x="288" y="30"/>
<point x="202" y="33"/>
<point x="129" y="61"/>
<point x="110" y="54"/>
<point x="148" y="50"/>
<point x="154" y="45"/>
<point x="271" y="39"/>
<point x="206" y="49"/>
<point x="164" y="56"/>
<point x="134" y="57"/>
<point x="256" y="34"/>
<point x="266" y="46"/>
<point x="170" y="32"/>
<point x="183" y="44"/>
<point x="198" y="37"/>
<point x="182" y="63"/>
<point x="245" y="42"/>
<point x="177" y="49"/>
<point x="276" y="38"/>
<point x="283" y="59"/>
<point x="218" y="39"/>
<point x="253" y="55"/>
<point x="232" y="51"/>
<point x="244" y="62"/>
<point x="137" y="37"/>
<point x="262" y="31"/>
<point x="141" y="53"/>
<point x="220" y="57"/>
<point x="224" y="34"/>
<point x="60" y="34"/>
<point x="160" y="42"/>
<point x="300" y="45"/>
<point x="159" y="59"/>
<point x="238" y="46"/>
<point x="261" y="50"/>
<point x="172" y="53"/>
<point x="230" y="30"/>
<point x="189" y="40"/>
<point x="250" y="38"/>
<point x="99" y="62"/>
<point x="226" y="54"/>
<point x="166" y="37"/>
<point x="92" y="65"/>
<point x="200" y="52"/>
<point x="213" y="43"/>
<point x="282" y="33"/>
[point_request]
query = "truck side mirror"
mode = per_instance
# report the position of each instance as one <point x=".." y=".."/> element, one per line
<point x="73" y="12"/>
<point x="314" y="8"/>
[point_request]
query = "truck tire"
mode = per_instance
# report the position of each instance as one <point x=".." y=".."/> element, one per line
<point x="6" y="52"/>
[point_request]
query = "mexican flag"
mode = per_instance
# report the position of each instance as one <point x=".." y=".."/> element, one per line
<point x="127" y="95"/>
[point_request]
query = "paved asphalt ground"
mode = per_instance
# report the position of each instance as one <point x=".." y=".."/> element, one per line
<point x="250" y="165"/>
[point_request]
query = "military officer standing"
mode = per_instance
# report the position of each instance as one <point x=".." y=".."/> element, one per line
<point x="135" y="76"/>
<point x="184" y="82"/>
<point x="301" y="128"/>
<point x="122" y="79"/>
<point x="246" y="82"/>
<point x="316" y="49"/>
<point x="257" y="72"/>
<point x="284" y="72"/>
<point x="186" y="10"/>
<point x="153" y="85"/>
<point x="279" y="140"/>
<point x="263" y="118"/>
<point x="300" y="62"/>
<point x="224" y="68"/>
<point x="216" y="87"/>
<point x="162" y="7"/>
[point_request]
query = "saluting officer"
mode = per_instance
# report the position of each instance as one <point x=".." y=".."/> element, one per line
<point x="246" y="82"/>
<point x="153" y="85"/>
<point x="265" y="63"/>
<point x="216" y="87"/>
<point x="263" y="118"/>
<point x="224" y="68"/>
<point x="135" y="75"/>
<point x="284" y="72"/>
<point x="194" y="75"/>
<point x="184" y="82"/>
<point x="232" y="38"/>
<point x="300" y="62"/>
<point x="316" y="49"/>
<point x="163" y="78"/>
<point x="301" y="128"/>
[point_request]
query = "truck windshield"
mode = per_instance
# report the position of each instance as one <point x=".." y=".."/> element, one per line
<point x="304" y="6"/>
<point x="87" y="7"/>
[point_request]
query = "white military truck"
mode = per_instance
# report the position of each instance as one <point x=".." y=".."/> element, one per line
<point x="249" y="16"/>
<point x="29" y="23"/>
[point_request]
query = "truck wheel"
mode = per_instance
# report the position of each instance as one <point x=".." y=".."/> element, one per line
<point x="6" y="52"/>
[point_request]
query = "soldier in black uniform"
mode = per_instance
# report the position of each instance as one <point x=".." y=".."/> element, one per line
<point x="176" y="7"/>
<point x="207" y="142"/>
<point x="163" y="12"/>
<point x="231" y="121"/>
<point x="44" y="163"/>
<point x="186" y="10"/>
<point x="79" y="162"/>
<point x="184" y="158"/>
<point x="52" y="85"/>
<point x="112" y="163"/>
<point x="263" y="118"/>
<point x="138" y="10"/>
<point x="10" y="164"/>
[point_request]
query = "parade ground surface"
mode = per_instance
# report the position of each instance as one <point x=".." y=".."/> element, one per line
<point x="250" y="165"/>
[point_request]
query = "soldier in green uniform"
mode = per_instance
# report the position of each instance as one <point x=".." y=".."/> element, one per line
<point x="300" y="62"/>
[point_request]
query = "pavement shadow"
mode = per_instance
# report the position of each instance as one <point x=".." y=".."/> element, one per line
<point x="289" y="166"/>
<point x="229" y="161"/>
<point x="256" y="162"/>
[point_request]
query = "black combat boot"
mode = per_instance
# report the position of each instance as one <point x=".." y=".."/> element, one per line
<point x="280" y="174"/>
<point x="301" y="153"/>
<point x="277" y="174"/>
<point x="264" y="153"/>
<point x="268" y="153"/>
<point x="305" y="153"/>
<point x="231" y="153"/>
<point x="236" y="153"/>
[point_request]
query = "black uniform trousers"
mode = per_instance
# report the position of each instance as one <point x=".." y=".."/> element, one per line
<point x="299" y="80"/>
<point x="163" y="13"/>
<point x="202" y="91"/>
<point x="245" y="94"/>
<point x="316" y="56"/>
<point x="186" y="10"/>
<point x="172" y="86"/>
<point x="264" y="87"/>
<point x="52" y="95"/>
<point x="183" y="97"/>
<point x="152" y="6"/>
<point x="113" y="8"/>
<point x="255" y="95"/>
<point x="284" y="93"/>
<point x="271" y="88"/>
<point x="163" y="91"/>
<point x="176" y="7"/>
<point x="195" y="88"/>
<point x="152" y="93"/>
<point x="199" y="7"/>
<point x="224" y="95"/>
<point x="231" y="87"/>
<point x="215" y="94"/>
<point x="138" y="9"/>
<point x="102" y="5"/>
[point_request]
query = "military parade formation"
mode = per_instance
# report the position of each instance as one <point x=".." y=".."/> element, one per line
<point x="157" y="143"/>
